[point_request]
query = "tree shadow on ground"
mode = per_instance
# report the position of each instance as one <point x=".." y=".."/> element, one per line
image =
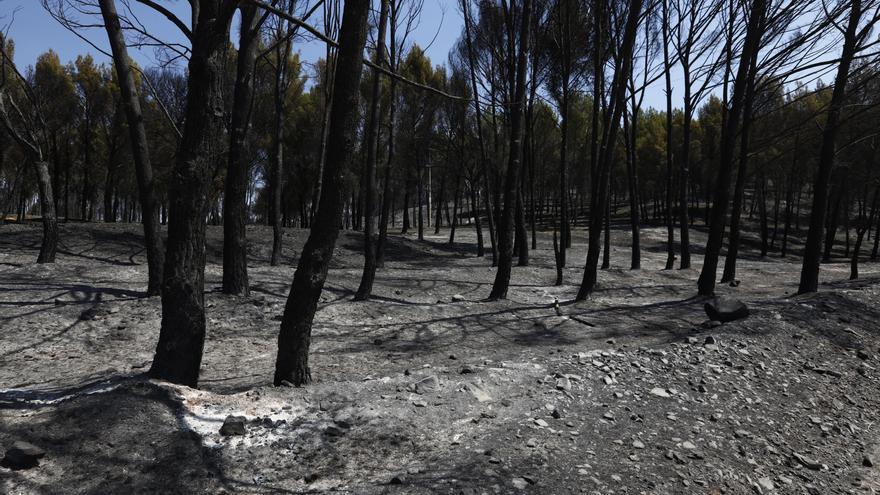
<point x="121" y="434"/>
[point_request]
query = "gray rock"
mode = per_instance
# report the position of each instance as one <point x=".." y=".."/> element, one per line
<point x="520" y="483"/>
<point x="867" y="461"/>
<point x="427" y="385"/>
<point x="457" y="298"/>
<point x="726" y="309"/>
<point x="563" y="383"/>
<point x="807" y="462"/>
<point x="233" y="425"/>
<point x="765" y="485"/>
<point x="659" y="392"/>
<point x="23" y="455"/>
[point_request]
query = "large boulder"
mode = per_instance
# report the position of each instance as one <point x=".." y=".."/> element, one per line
<point x="725" y="309"/>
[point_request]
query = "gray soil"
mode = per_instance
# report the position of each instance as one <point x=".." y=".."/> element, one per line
<point x="418" y="391"/>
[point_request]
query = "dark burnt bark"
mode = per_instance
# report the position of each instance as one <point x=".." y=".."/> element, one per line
<point x="511" y="189"/>
<point x="370" y="187"/>
<point x="810" y="269"/>
<point x="235" y="275"/>
<point x="182" y="335"/>
<point x="484" y="162"/>
<point x="140" y="150"/>
<point x="729" y="273"/>
<point x="706" y="282"/>
<point x="602" y="173"/>
<point x="292" y="364"/>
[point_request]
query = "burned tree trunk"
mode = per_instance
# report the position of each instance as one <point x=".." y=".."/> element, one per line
<point x="599" y="201"/>
<point x="706" y="282"/>
<point x="810" y="269"/>
<point x="182" y="335"/>
<point x="292" y="363"/>
<point x="140" y="150"/>
<point x="511" y="189"/>
<point x="235" y="275"/>
<point x="863" y="226"/>
<point x="372" y="137"/>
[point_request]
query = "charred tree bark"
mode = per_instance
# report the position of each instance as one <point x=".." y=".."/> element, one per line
<point x="810" y="269"/>
<point x="601" y="176"/>
<point x="729" y="273"/>
<point x="863" y="227"/>
<point x="235" y="275"/>
<point x="182" y="335"/>
<point x="370" y="187"/>
<point x="484" y="162"/>
<point x="511" y="189"/>
<point x="706" y="282"/>
<point x="292" y="363"/>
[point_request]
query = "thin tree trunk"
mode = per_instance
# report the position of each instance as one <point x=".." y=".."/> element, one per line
<point x="365" y="289"/>
<point x="810" y="270"/>
<point x="729" y="273"/>
<point x="599" y="199"/>
<point x="863" y="228"/>
<point x="706" y="282"/>
<point x="511" y="189"/>
<point x="235" y="275"/>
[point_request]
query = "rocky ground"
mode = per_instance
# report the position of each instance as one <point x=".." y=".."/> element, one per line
<point x="428" y="388"/>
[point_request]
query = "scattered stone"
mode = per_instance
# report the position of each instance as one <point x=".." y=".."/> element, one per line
<point x="311" y="477"/>
<point x="532" y="442"/>
<point x="637" y="444"/>
<point x="479" y="392"/>
<point x="563" y="383"/>
<point x="765" y="485"/>
<point x="726" y="309"/>
<point x="426" y="385"/>
<point x="807" y="462"/>
<point x="457" y="298"/>
<point x="520" y="483"/>
<point x="863" y="354"/>
<point x="541" y="423"/>
<point x="608" y="416"/>
<point x="23" y="455"/>
<point x="709" y="324"/>
<point x="659" y="392"/>
<point x="867" y="461"/>
<point x="741" y="434"/>
<point x="233" y="425"/>
<point x="398" y="479"/>
<point x="419" y="403"/>
<point x="334" y="431"/>
<point x="688" y="445"/>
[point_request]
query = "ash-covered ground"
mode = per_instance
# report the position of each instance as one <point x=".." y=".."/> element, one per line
<point x="428" y="388"/>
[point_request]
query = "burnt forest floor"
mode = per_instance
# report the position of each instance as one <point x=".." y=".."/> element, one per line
<point x="428" y="388"/>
